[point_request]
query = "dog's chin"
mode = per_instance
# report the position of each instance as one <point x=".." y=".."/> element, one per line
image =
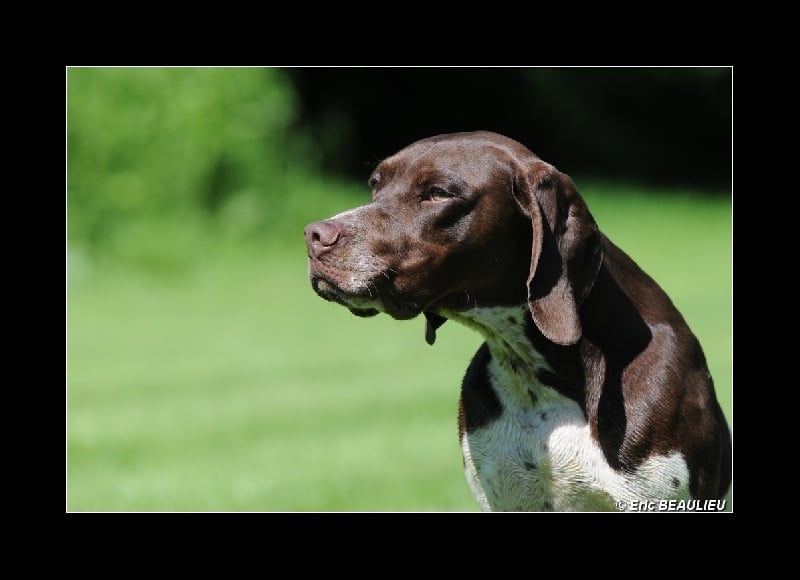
<point x="363" y="312"/>
<point x="365" y="305"/>
<point x="400" y="309"/>
<point x="396" y="309"/>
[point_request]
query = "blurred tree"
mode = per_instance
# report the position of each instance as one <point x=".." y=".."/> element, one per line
<point x="145" y="142"/>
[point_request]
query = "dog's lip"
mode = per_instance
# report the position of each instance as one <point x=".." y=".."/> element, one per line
<point x="366" y="304"/>
<point x="323" y="286"/>
<point x="358" y="304"/>
<point x="330" y="290"/>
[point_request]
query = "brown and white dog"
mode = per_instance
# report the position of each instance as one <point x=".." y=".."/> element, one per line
<point x="590" y="392"/>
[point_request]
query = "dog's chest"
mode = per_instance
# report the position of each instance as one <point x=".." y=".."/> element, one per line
<point x="538" y="454"/>
<point x="537" y="459"/>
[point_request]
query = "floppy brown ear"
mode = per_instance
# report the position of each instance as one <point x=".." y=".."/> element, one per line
<point x="566" y="252"/>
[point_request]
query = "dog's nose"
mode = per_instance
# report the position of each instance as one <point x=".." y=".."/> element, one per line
<point x="321" y="237"/>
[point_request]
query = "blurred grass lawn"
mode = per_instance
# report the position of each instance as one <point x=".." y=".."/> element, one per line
<point x="232" y="387"/>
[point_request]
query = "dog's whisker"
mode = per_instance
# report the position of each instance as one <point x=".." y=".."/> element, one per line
<point x="474" y="299"/>
<point x="370" y="287"/>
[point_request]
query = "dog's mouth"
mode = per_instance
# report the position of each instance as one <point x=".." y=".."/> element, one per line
<point x="358" y="304"/>
<point x="368" y="302"/>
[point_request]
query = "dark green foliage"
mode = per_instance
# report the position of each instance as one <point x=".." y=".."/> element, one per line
<point x="657" y="125"/>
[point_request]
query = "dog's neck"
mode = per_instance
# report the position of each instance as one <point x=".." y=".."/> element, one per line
<point x="517" y="363"/>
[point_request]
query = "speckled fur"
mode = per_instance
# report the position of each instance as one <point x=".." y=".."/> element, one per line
<point x="539" y="455"/>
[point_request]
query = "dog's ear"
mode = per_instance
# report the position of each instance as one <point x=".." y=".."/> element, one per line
<point x="566" y="252"/>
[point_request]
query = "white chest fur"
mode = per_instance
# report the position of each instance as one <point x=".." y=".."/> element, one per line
<point x="539" y="454"/>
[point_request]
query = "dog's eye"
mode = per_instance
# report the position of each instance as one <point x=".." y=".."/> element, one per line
<point x="436" y="194"/>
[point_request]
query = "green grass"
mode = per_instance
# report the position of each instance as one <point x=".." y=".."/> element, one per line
<point x="234" y="388"/>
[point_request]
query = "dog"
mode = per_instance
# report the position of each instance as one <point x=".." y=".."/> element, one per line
<point x="590" y="392"/>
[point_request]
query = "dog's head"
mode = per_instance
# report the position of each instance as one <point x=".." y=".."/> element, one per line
<point x="458" y="221"/>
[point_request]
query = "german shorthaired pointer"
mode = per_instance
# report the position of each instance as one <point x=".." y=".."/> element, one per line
<point x="591" y="392"/>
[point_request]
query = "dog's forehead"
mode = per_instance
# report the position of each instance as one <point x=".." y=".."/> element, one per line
<point x="471" y="160"/>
